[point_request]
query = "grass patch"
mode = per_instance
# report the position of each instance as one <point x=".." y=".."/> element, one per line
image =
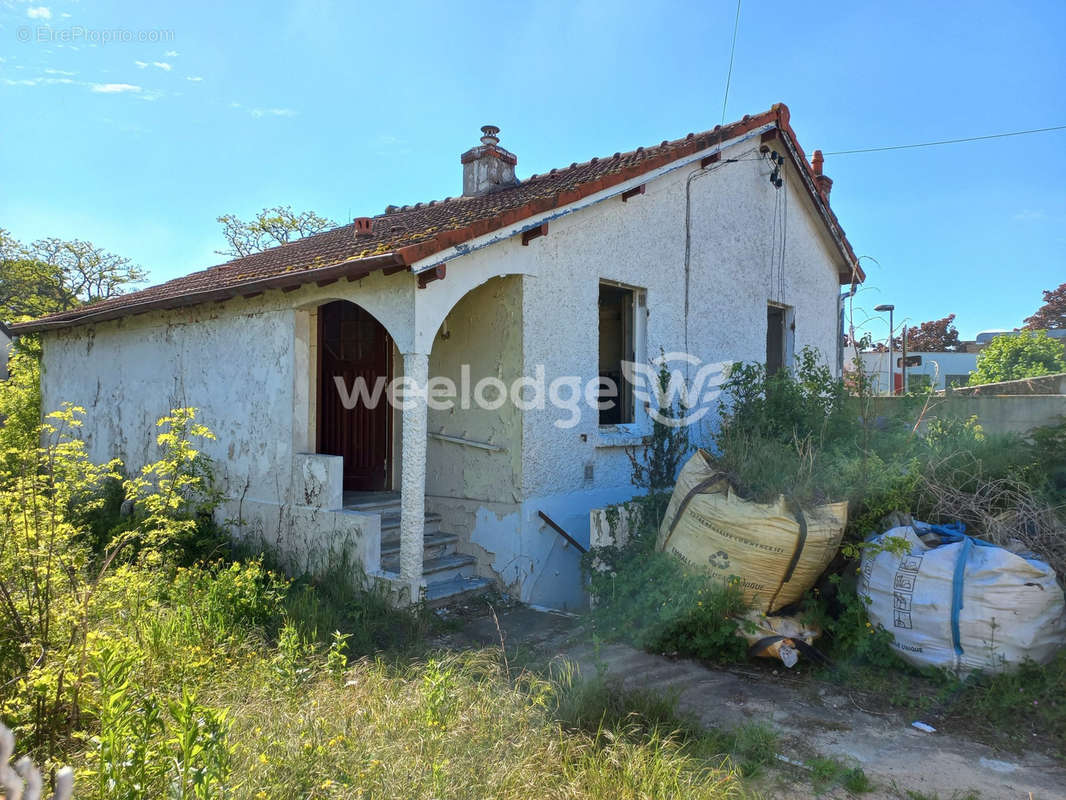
<point x="753" y="747"/>
<point x="829" y="773"/>
<point x="599" y="704"/>
<point x="453" y="726"/>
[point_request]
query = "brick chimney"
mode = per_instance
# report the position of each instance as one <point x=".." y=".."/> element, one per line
<point x="488" y="167"/>
<point x="824" y="182"/>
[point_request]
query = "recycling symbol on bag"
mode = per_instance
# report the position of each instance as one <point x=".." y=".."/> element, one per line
<point x="720" y="560"/>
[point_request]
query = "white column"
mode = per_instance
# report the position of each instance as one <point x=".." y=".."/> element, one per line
<point x="413" y="474"/>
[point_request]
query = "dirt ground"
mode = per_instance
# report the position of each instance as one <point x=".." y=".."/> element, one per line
<point x="812" y="718"/>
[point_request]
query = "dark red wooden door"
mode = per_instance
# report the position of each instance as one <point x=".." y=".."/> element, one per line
<point x="354" y="346"/>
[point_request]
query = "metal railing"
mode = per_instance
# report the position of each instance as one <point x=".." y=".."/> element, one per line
<point x="555" y="526"/>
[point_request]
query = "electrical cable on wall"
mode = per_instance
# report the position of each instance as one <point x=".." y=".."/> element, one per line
<point x="776" y="277"/>
<point x="701" y="172"/>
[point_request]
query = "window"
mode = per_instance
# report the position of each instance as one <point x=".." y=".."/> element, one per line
<point x="617" y="344"/>
<point x="779" y="328"/>
<point x="919" y="382"/>
<point x="957" y="380"/>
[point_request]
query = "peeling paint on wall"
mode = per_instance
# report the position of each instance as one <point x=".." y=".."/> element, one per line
<point x="482" y="336"/>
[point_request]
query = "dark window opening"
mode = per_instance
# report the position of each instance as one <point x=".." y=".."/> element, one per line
<point x="919" y="382"/>
<point x="616" y="345"/>
<point x="775" y="339"/>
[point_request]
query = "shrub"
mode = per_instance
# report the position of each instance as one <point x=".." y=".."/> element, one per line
<point x="656" y="601"/>
<point x="1027" y="354"/>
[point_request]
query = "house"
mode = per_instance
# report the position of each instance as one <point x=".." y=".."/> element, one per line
<point x="716" y="247"/>
<point x="939" y="370"/>
<point x="5" y="349"/>
<point x="924" y="369"/>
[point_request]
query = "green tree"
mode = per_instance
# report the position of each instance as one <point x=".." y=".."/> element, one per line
<point x="57" y="275"/>
<point x="1028" y="354"/>
<point x="269" y="228"/>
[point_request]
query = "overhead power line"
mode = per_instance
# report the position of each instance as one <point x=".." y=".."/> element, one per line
<point x="732" y="51"/>
<point x="943" y="141"/>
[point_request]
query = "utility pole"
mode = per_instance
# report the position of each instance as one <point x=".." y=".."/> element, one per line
<point x="891" y="350"/>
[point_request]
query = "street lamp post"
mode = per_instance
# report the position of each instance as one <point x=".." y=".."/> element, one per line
<point x="891" y="364"/>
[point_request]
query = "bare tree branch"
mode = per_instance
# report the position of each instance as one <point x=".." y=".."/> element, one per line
<point x="271" y="227"/>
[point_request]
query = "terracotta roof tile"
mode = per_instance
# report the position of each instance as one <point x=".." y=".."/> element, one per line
<point x="403" y="235"/>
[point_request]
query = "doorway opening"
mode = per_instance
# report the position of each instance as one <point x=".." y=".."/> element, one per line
<point x="355" y="358"/>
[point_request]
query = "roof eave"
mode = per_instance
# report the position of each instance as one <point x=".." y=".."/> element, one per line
<point x="352" y="270"/>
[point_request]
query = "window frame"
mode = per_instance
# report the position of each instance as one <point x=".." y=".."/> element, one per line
<point x="632" y="426"/>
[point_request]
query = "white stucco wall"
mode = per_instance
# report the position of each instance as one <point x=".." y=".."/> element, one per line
<point x="234" y="364"/>
<point x="641" y="243"/>
<point x="247" y="367"/>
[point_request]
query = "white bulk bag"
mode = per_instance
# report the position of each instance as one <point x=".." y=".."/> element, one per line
<point x="957" y="602"/>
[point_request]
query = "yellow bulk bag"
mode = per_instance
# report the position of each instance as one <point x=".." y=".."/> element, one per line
<point x="778" y="552"/>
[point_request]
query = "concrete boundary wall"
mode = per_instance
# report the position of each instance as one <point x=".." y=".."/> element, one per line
<point x="995" y="413"/>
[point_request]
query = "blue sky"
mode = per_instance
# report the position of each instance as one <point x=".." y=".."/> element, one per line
<point x="344" y="108"/>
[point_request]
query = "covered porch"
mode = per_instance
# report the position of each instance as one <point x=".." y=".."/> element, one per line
<point x="385" y="460"/>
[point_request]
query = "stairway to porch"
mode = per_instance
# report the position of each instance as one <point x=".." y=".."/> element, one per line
<point x="449" y="575"/>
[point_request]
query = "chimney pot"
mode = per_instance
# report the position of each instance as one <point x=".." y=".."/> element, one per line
<point x="488" y="167"/>
<point x="824" y="182"/>
<point x="364" y="226"/>
<point x="817" y="161"/>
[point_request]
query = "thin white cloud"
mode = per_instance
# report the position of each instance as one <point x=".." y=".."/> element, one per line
<point x="170" y="54"/>
<point x="141" y="64"/>
<point x="1030" y="215"/>
<point x="115" y="88"/>
<point x="23" y="82"/>
<point x="273" y="112"/>
<point x="58" y="72"/>
<point x="258" y="113"/>
<point x="39" y="12"/>
<point x="193" y="78"/>
<point x="163" y="65"/>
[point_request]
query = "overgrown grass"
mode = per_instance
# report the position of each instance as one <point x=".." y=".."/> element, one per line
<point x="451" y="726"/>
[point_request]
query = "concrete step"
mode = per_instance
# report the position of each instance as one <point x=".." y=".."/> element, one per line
<point x="452" y="565"/>
<point x="390" y="524"/>
<point x="434" y="545"/>
<point x="443" y="592"/>
<point x="372" y="502"/>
